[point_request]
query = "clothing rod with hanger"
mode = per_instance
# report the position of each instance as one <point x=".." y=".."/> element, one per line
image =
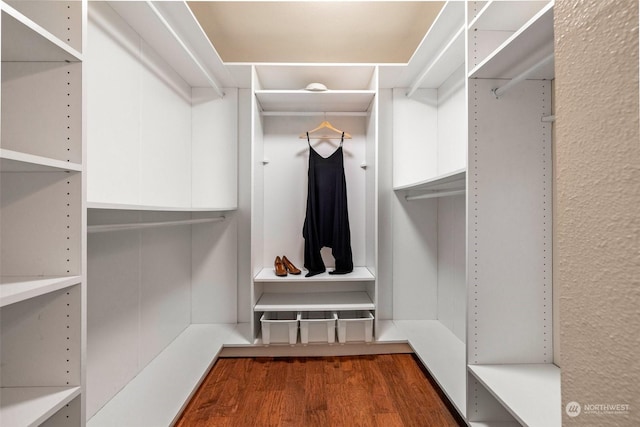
<point x="212" y="81"/>
<point x="415" y="86"/>
<point x="499" y="91"/>
<point x="436" y="194"/>
<point x="314" y="113"/>
<point x="142" y="225"/>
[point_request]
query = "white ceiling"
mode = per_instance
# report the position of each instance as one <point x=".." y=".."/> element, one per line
<point x="374" y="32"/>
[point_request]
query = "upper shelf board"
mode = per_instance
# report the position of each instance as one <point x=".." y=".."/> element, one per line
<point x="128" y="207"/>
<point x="522" y="50"/>
<point x="25" y="41"/>
<point x="141" y="17"/>
<point x="308" y="101"/>
<point x="448" y="181"/>
<point x="505" y="15"/>
<point x="297" y="77"/>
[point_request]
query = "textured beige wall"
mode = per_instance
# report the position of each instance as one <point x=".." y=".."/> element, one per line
<point x="598" y="208"/>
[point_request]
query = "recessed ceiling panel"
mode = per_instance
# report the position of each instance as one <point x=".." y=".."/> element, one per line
<point x="316" y="31"/>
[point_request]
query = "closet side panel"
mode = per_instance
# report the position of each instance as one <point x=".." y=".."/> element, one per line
<point x="509" y="246"/>
<point x="415" y="127"/>
<point x="452" y="295"/>
<point x="415" y="254"/>
<point x="165" y="134"/>
<point x="165" y="284"/>
<point x="214" y="149"/>
<point x="384" y="275"/>
<point x="113" y="302"/>
<point x="113" y="94"/>
<point x="214" y="263"/>
<point x="243" y="213"/>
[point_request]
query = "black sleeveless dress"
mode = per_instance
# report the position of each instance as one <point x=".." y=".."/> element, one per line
<point x="327" y="220"/>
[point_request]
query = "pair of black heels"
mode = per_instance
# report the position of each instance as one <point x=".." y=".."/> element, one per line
<point x="283" y="267"/>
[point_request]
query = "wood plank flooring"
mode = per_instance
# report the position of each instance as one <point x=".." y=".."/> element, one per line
<point x="380" y="390"/>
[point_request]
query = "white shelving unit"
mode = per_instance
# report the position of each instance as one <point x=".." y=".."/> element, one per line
<point x="131" y="207"/>
<point x="517" y="386"/>
<point x="278" y="190"/>
<point x="42" y="218"/>
<point x="510" y="248"/>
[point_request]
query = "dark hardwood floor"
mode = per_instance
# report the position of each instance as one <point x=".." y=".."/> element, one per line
<point x="380" y="390"/>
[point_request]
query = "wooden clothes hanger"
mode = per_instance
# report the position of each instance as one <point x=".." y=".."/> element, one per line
<point x="326" y="125"/>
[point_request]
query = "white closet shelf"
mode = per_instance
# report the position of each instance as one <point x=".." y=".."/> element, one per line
<point x="523" y="49"/>
<point x="157" y="395"/>
<point x="19" y="288"/>
<point x="359" y="274"/>
<point x="516" y="386"/>
<point x="31" y="406"/>
<point x="308" y="101"/>
<point x="131" y="207"/>
<point x="15" y="161"/>
<point x="495" y="424"/>
<point x="442" y="353"/>
<point x="24" y="40"/>
<point x="314" y="301"/>
<point x="448" y="181"/>
<point x="505" y="15"/>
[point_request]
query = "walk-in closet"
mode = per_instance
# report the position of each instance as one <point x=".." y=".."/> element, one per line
<point x="148" y="185"/>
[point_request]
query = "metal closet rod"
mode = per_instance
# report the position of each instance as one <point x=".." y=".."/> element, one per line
<point x="214" y="84"/>
<point x="499" y="91"/>
<point x="436" y="194"/>
<point x="141" y="225"/>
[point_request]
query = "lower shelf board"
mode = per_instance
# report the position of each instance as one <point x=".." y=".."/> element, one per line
<point x="359" y="274"/>
<point x="20" y="288"/>
<point x="314" y="301"/>
<point x="157" y="395"/>
<point x="443" y="354"/>
<point x="530" y="392"/>
<point x="31" y="406"/>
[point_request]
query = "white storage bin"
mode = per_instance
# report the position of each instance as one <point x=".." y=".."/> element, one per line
<point x="355" y="326"/>
<point x="279" y="327"/>
<point x="318" y="326"/>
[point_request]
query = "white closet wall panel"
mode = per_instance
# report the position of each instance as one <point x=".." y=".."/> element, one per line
<point x="452" y="126"/>
<point x="165" y="284"/>
<point x="510" y="250"/>
<point x="29" y="90"/>
<point x="258" y="208"/>
<point x="41" y="340"/>
<point x="370" y="201"/>
<point x="113" y="306"/>
<point x="285" y="185"/>
<point x="214" y="148"/>
<point x="415" y="265"/>
<point x="452" y="254"/>
<point x="214" y="288"/>
<point x="40" y="207"/>
<point x="113" y="99"/>
<point x="165" y="134"/>
<point x="415" y="124"/>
